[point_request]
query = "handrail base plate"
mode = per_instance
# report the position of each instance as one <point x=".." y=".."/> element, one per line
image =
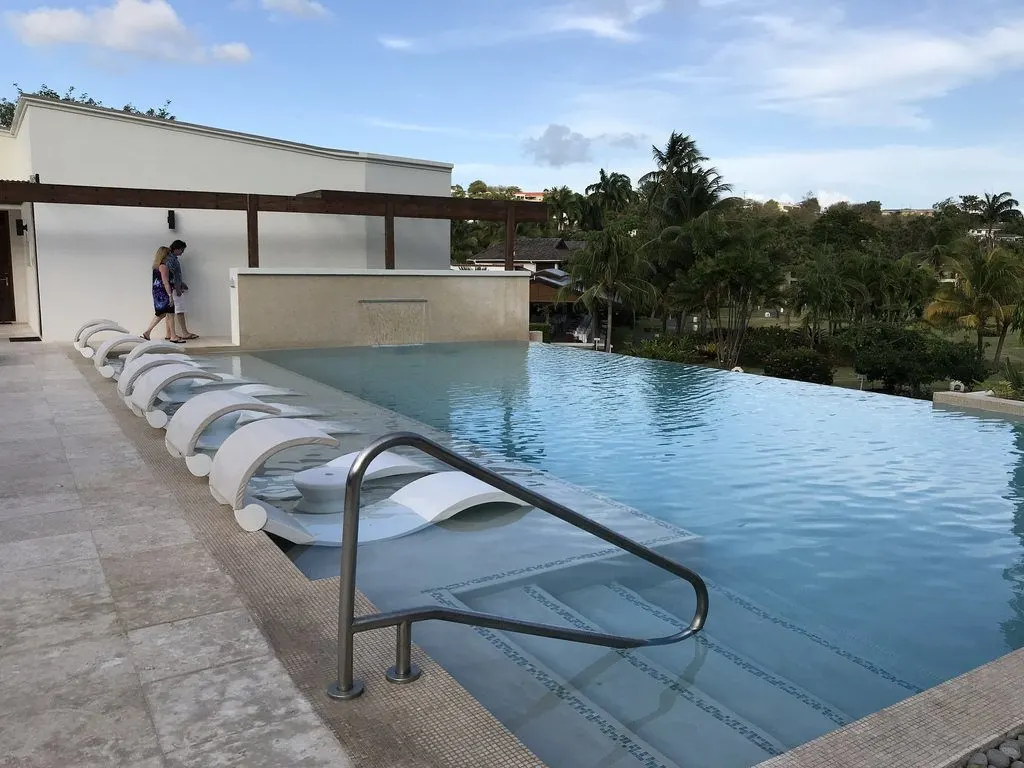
<point x="354" y="692"/>
<point x="393" y="676"/>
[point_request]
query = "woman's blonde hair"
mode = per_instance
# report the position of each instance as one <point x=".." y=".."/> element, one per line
<point x="161" y="253"/>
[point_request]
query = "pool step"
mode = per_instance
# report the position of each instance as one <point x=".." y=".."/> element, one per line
<point x="771" y="703"/>
<point x="658" y="706"/>
<point x="564" y="726"/>
<point x="850" y="683"/>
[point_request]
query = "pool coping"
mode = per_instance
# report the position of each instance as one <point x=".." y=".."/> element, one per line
<point x="939" y="728"/>
<point x="434" y="722"/>
<point x="980" y="401"/>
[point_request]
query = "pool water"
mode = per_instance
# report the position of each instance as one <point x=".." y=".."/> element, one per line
<point x="894" y="526"/>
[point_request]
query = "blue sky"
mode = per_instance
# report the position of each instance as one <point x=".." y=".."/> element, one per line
<point x="906" y="101"/>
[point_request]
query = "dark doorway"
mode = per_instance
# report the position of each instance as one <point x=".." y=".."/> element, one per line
<point x="7" y="314"/>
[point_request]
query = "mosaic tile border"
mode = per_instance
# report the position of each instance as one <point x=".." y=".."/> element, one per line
<point x="778" y="621"/>
<point x="740" y="726"/>
<point x="605" y="724"/>
<point x="503" y="576"/>
<point x="745" y="664"/>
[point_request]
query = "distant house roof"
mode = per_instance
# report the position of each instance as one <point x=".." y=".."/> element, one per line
<point x="555" y="249"/>
<point x="555" y="277"/>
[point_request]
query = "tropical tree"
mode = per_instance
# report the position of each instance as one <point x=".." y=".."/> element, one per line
<point x="612" y="269"/>
<point x="738" y="269"/>
<point x="562" y="202"/>
<point x="988" y="288"/>
<point x="994" y="210"/>
<point x="71" y="95"/>
<point x="611" y="193"/>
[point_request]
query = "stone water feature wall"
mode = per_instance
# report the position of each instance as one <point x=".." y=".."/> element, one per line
<point x="291" y="308"/>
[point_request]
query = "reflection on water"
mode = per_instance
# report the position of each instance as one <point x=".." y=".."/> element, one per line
<point x="876" y="517"/>
<point x="1013" y="627"/>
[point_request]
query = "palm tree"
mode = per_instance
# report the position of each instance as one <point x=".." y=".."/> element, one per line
<point x="989" y="286"/>
<point x="613" y="269"/>
<point x="680" y="156"/>
<point x="997" y="209"/>
<point x="560" y="201"/>
<point x="612" y="192"/>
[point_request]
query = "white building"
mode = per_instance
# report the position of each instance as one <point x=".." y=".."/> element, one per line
<point x="69" y="262"/>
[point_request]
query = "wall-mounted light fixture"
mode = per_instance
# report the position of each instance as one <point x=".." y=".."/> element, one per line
<point x="20" y="227"/>
<point x="170" y="220"/>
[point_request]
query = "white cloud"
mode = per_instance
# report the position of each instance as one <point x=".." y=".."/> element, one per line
<point x="396" y="43"/>
<point x="559" y="145"/>
<point x="440" y="130"/>
<point x="897" y="175"/>
<point x="308" y="9"/>
<point x="614" y="20"/>
<point x="821" y="65"/>
<point x="147" y="28"/>
<point x="237" y="52"/>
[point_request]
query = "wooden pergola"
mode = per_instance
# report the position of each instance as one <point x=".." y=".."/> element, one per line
<point x="325" y="201"/>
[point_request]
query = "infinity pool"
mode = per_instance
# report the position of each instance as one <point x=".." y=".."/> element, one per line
<point x="892" y="528"/>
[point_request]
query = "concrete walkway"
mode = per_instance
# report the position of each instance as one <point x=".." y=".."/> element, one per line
<point x="122" y="643"/>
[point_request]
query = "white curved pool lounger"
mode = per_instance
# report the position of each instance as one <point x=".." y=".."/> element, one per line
<point x="248" y="448"/>
<point x="149" y="385"/>
<point x="323" y="487"/>
<point x="423" y="502"/>
<point x="264" y="390"/>
<point x="190" y="421"/>
<point x="105" y="349"/>
<point x="133" y="369"/>
<point x="152" y="347"/>
<point x="83" y="340"/>
<point x="85" y="326"/>
<point x="185" y="391"/>
<point x="211" y="440"/>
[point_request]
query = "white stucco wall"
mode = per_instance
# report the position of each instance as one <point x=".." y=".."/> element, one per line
<point x="15" y="164"/>
<point x="96" y="261"/>
<point x="419" y="243"/>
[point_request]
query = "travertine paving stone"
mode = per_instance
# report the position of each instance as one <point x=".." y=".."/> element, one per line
<point x="95" y="558"/>
<point x="190" y="645"/>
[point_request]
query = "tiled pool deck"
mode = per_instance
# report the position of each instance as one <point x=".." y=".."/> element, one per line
<point x="140" y="627"/>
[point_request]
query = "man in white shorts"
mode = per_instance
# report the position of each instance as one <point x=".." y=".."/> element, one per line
<point x="180" y="288"/>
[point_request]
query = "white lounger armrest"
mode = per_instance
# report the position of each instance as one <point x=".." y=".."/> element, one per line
<point x="109" y="346"/>
<point x="83" y="340"/>
<point x="151" y="347"/>
<point x="248" y="448"/>
<point x="197" y="414"/>
<point x="149" y="385"/>
<point x="135" y="368"/>
<point x="85" y="326"/>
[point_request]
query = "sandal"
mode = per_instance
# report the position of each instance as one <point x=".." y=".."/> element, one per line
<point x="190" y="337"/>
<point x="176" y="341"/>
<point x="146" y="336"/>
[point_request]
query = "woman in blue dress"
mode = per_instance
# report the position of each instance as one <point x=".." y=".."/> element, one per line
<point x="163" y="303"/>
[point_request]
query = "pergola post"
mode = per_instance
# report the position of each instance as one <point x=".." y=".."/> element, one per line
<point x="252" y="229"/>
<point x="510" y="238"/>
<point x="389" y="235"/>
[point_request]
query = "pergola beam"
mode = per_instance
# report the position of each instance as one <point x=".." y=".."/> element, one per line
<point x="321" y="201"/>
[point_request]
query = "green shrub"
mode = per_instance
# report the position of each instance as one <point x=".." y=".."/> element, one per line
<point x="908" y="359"/>
<point x="544" y="328"/>
<point x="759" y="344"/>
<point x="801" y="364"/>
<point x="675" y="349"/>
<point x="1012" y="385"/>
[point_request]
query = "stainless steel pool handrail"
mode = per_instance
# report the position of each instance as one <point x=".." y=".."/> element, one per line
<point x="347" y="687"/>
